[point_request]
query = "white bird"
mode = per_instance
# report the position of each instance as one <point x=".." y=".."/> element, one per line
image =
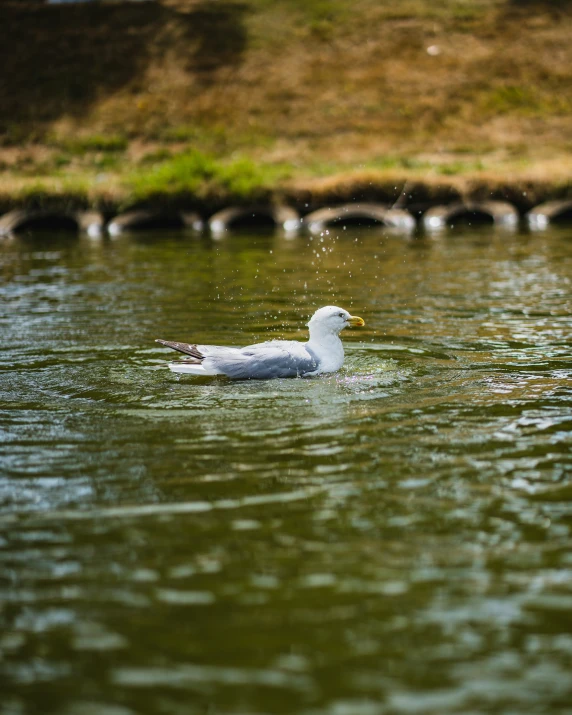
<point x="324" y="352"/>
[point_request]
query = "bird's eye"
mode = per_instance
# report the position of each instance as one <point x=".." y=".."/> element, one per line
<point x="341" y="315"/>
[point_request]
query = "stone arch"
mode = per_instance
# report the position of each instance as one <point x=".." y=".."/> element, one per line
<point x="150" y="220"/>
<point x="254" y="217"/>
<point x="359" y="214"/>
<point x="550" y="212"/>
<point x="492" y="212"/>
<point x="21" y="220"/>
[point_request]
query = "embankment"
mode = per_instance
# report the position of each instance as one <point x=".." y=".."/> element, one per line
<point x="194" y="103"/>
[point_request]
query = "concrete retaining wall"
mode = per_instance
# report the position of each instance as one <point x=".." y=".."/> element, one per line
<point x="287" y="219"/>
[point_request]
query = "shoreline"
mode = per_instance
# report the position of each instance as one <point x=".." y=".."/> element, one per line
<point x="406" y="204"/>
<point x="405" y="191"/>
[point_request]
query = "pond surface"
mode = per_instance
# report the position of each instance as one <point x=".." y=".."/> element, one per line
<point x="391" y="539"/>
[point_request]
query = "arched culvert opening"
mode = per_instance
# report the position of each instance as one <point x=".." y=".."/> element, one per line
<point x="551" y="212"/>
<point x="51" y="222"/>
<point x="499" y="213"/>
<point x="252" y="222"/>
<point x="24" y="221"/>
<point x="153" y="223"/>
<point x="146" y="220"/>
<point x="254" y="218"/>
<point x="564" y="216"/>
<point x="359" y="216"/>
<point x="470" y="218"/>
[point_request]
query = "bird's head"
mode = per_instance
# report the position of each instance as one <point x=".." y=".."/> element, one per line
<point x="332" y="319"/>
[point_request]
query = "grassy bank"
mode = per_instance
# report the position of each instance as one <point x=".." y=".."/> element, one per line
<point x="118" y="103"/>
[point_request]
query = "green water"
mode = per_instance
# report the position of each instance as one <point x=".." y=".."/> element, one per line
<point x="391" y="539"/>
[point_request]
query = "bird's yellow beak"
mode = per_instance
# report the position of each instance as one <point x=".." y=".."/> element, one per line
<point x="355" y="321"/>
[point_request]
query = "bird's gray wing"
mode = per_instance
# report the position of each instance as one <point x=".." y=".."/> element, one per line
<point x="264" y="361"/>
<point x="218" y="350"/>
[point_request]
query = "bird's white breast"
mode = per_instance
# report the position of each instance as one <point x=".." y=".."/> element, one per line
<point x="329" y="351"/>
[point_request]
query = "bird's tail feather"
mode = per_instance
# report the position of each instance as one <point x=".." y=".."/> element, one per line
<point x="185" y="348"/>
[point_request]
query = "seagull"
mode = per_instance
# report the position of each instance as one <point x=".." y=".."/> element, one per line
<point x="324" y="352"/>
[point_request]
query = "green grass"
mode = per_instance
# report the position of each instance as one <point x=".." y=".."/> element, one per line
<point x="81" y="145"/>
<point x="193" y="172"/>
<point x="524" y="101"/>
